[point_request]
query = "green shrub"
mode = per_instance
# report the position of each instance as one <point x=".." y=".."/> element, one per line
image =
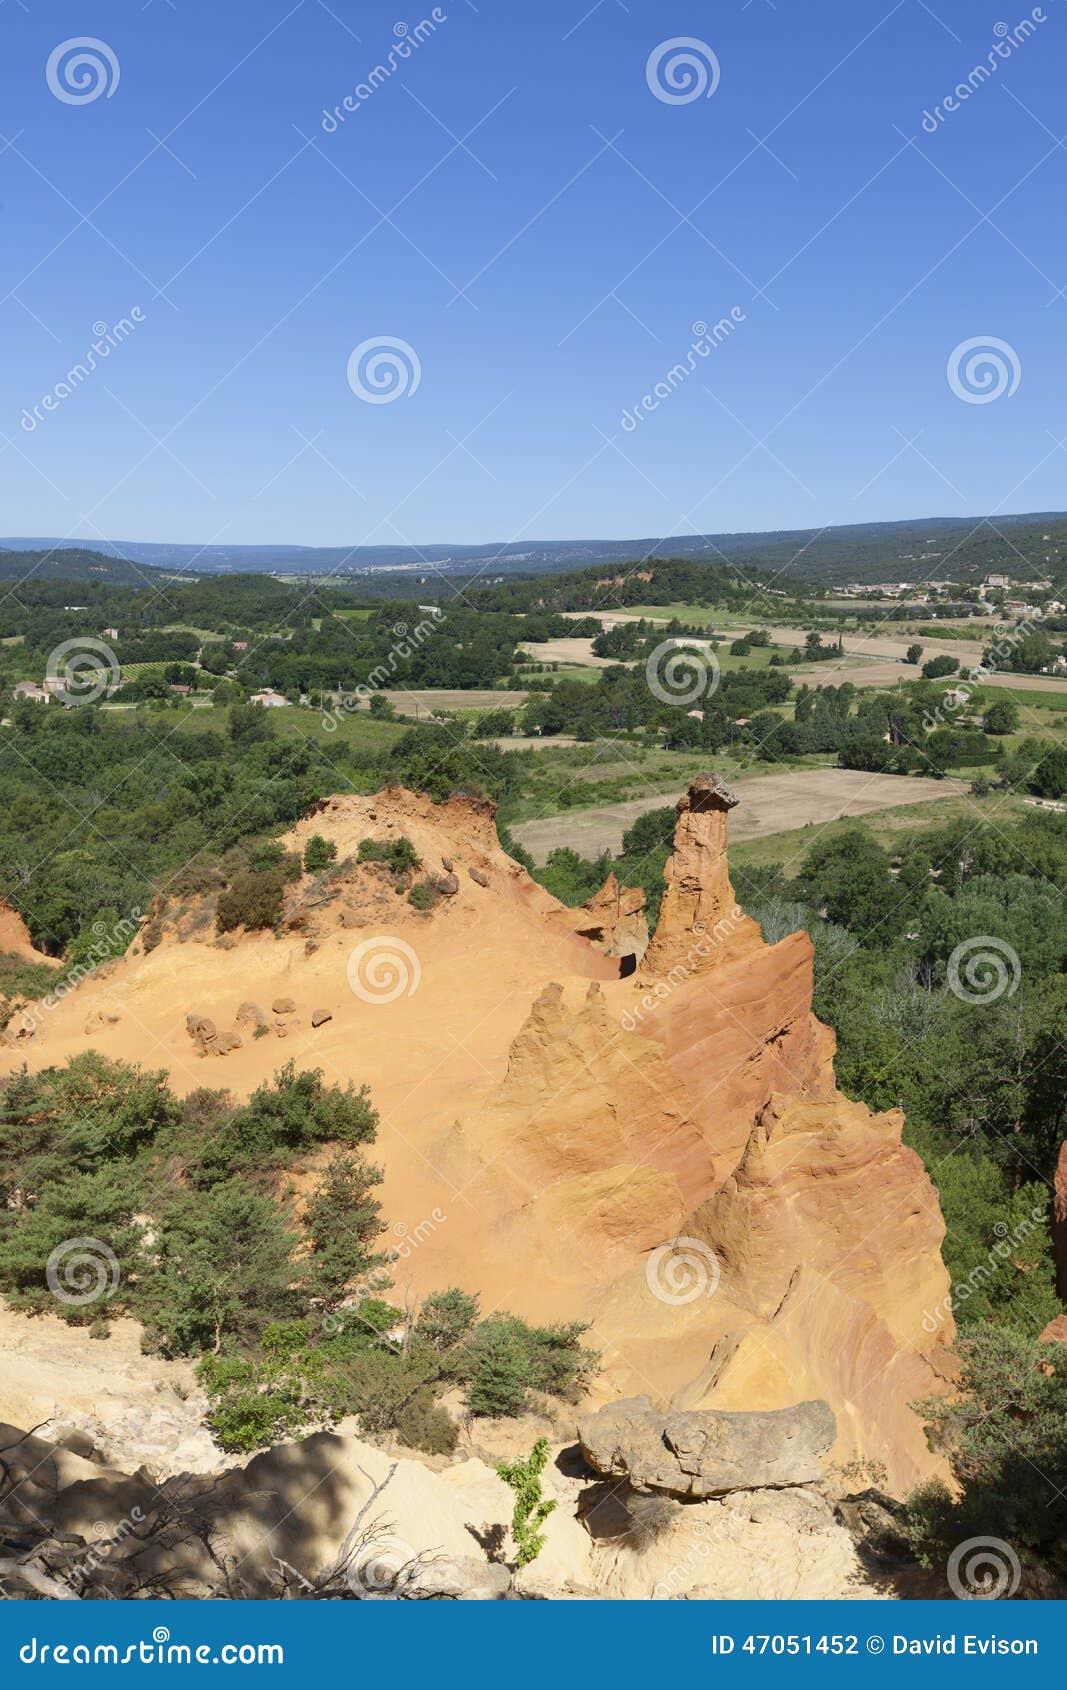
<point x="399" y="855"/>
<point x="1004" y="1435"/>
<point x="254" y="900"/>
<point x="423" y="896"/>
<point x="447" y="1318"/>
<point x="319" y="853"/>
<point x="423" y="1424"/>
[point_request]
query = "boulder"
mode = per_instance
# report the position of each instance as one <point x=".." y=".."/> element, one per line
<point x="201" y="1028"/>
<point x="447" y="885"/>
<point x="479" y="877"/>
<point x="318" y="1016"/>
<point x="283" y="1006"/>
<point x="706" y="1452"/>
<point x="226" y="1041"/>
<point x="251" y="1015"/>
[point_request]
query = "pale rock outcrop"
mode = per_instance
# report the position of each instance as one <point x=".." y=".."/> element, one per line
<point x="702" y="1454"/>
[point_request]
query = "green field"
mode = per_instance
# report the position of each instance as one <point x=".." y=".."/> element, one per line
<point x="788" y="849"/>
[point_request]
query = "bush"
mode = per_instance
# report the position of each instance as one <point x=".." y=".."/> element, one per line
<point x="507" y="1358"/>
<point x="282" y="1122"/>
<point x="254" y="900"/>
<point x="1005" y="1437"/>
<point x="423" y="896"/>
<point x="447" y="1318"/>
<point x="399" y="855"/>
<point x="423" y="1424"/>
<point x="319" y="853"/>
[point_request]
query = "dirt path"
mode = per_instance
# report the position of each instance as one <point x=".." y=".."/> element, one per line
<point x="769" y="804"/>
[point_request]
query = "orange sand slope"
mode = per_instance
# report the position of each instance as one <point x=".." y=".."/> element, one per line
<point x="660" y="1150"/>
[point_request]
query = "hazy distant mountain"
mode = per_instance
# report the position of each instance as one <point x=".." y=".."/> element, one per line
<point x="928" y="548"/>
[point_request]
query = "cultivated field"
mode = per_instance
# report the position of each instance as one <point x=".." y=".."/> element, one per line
<point x="769" y="804"/>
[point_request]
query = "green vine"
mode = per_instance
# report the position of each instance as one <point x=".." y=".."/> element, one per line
<point x="531" y="1509"/>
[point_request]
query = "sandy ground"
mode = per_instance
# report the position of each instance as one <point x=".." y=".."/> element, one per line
<point x="424" y="701"/>
<point x="566" y="651"/>
<point x="769" y="804"/>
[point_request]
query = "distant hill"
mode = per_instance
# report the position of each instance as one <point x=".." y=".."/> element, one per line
<point x="43" y="561"/>
<point x="926" y="549"/>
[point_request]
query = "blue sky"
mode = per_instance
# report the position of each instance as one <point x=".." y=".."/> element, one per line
<point x="514" y="202"/>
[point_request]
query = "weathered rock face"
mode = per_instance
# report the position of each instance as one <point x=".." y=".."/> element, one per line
<point x="614" y="920"/>
<point x="707" y="1453"/>
<point x="688" y="1120"/>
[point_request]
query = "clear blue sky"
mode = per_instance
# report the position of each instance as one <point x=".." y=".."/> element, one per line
<point x="519" y="154"/>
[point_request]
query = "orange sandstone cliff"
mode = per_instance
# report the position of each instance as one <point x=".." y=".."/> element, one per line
<point x="574" y="1126"/>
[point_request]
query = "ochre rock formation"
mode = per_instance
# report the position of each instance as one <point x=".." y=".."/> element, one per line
<point x="662" y="1153"/>
<point x="613" y="919"/>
